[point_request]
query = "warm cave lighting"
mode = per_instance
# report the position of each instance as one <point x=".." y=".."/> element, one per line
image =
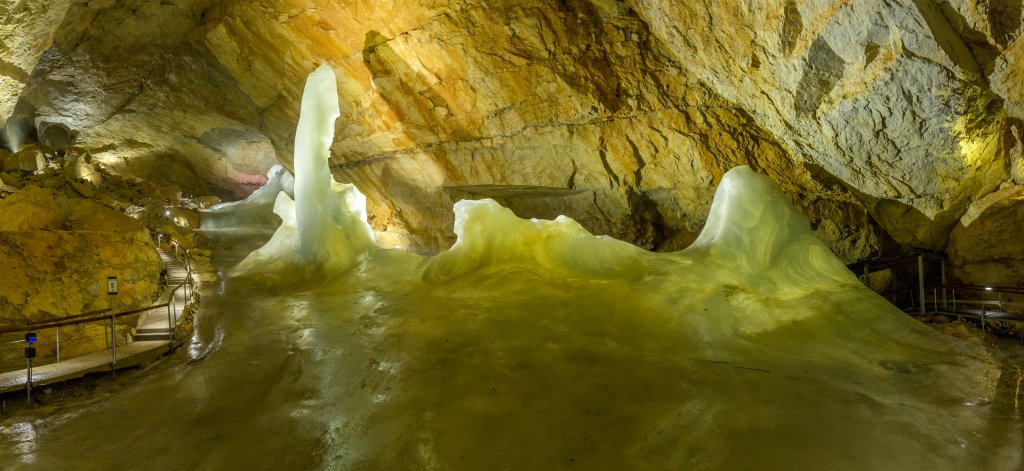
<point x="533" y="344"/>
<point x="530" y="323"/>
<point x="14" y="134"/>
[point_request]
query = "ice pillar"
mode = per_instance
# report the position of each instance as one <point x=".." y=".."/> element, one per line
<point x="313" y="139"/>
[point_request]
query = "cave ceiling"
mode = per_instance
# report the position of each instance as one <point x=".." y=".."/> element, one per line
<point x="886" y="122"/>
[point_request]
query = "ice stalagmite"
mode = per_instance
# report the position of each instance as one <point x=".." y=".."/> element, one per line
<point x="324" y="230"/>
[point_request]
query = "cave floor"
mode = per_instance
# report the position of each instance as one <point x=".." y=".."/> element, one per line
<point x="385" y="373"/>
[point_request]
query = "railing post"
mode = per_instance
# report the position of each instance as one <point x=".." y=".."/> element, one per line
<point x="58" y="343"/>
<point x="28" y="382"/>
<point x="944" y="302"/>
<point x="113" y="346"/>
<point x="920" y="280"/>
<point x="983" y="314"/>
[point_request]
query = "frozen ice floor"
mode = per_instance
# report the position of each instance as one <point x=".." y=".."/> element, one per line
<point x="509" y="369"/>
<point x="533" y="345"/>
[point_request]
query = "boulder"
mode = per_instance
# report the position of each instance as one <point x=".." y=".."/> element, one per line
<point x="207" y="201"/>
<point x="32" y="208"/>
<point x="88" y="215"/>
<point x="31" y="158"/>
<point x="25" y="161"/>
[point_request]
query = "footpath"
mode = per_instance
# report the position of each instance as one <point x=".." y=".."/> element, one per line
<point x="152" y="339"/>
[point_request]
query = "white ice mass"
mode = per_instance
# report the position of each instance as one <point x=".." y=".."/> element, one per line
<point x="534" y="345"/>
<point x="324" y="229"/>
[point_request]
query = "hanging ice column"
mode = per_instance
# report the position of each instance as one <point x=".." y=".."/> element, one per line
<point x="324" y="230"/>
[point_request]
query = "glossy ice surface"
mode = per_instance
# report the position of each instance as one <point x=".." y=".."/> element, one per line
<point x="534" y="345"/>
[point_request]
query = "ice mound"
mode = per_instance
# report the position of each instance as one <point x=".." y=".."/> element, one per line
<point x="490" y="235"/>
<point x="752" y="230"/>
<point x="324" y="230"/>
<point x="257" y="209"/>
<point x="278" y="179"/>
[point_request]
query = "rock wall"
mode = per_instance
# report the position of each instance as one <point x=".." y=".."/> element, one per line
<point x="885" y="121"/>
<point x="121" y="77"/>
<point x="985" y="246"/>
<point x="50" y="274"/>
<point x="56" y="253"/>
<point x="890" y="97"/>
<point x="27" y="28"/>
<point x="572" y="108"/>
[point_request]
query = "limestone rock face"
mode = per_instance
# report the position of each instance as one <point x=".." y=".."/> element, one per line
<point x="57" y="250"/>
<point x="890" y="97"/>
<point x="884" y="121"/>
<point x="32" y="208"/>
<point x="573" y="108"/>
<point x="53" y="274"/>
<point x="87" y="215"/>
<point x="121" y="81"/>
<point x="985" y="247"/>
<point x="27" y="28"/>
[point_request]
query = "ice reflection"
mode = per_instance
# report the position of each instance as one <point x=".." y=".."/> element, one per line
<point x="536" y="345"/>
<point x="23" y="437"/>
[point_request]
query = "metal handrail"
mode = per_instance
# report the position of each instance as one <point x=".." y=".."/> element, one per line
<point x="992" y="289"/>
<point x="78" y="319"/>
<point x="171" y="320"/>
<point x="59" y="321"/>
<point x="982" y="313"/>
<point x="87" y="317"/>
<point x="184" y="259"/>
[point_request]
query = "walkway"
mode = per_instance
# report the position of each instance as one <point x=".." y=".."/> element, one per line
<point x="151" y="341"/>
<point x="988" y="314"/>
<point x="159" y="324"/>
<point x="128" y="355"/>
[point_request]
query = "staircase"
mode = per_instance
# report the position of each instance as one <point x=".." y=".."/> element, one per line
<point x="155" y="325"/>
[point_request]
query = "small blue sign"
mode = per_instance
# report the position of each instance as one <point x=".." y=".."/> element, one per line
<point x="30" y="337"/>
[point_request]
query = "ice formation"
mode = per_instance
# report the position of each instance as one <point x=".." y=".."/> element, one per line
<point x="535" y="345"/>
<point x="324" y="230"/>
<point x="255" y="211"/>
<point x="490" y="235"/>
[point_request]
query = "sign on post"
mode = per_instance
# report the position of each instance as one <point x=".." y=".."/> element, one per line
<point x="112" y="291"/>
